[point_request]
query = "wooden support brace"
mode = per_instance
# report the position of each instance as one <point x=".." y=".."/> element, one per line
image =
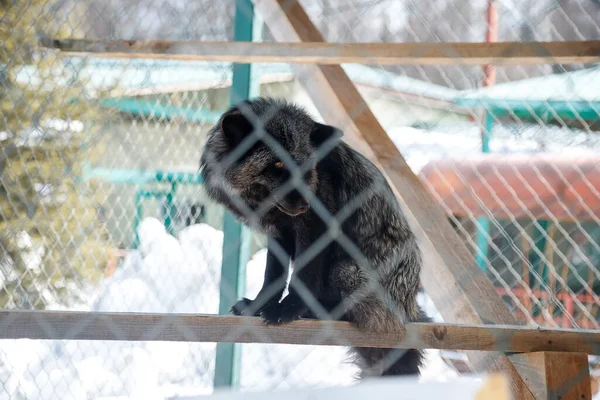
<point x="556" y="376"/>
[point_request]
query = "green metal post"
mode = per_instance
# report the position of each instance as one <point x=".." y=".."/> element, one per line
<point x="483" y="228"/>
<point x="169" y="210"/>
<point x="236" y="238"/>
<point x="137" y="218"/>
<point x="487" y="133"/>
<point x="539" y="242"/>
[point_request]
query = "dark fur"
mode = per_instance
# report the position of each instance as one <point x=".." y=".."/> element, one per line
<point x="342" y="286"/>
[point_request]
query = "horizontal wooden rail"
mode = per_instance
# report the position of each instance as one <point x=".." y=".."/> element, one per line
<point x="502" y="53"/>
<point x="58" y="325"/>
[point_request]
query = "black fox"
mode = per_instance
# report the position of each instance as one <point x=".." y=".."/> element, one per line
<point x="286" y="175"/>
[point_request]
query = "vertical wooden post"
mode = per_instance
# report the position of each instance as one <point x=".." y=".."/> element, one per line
<point x="555" y="376"/>
<point x="236" y="237"/>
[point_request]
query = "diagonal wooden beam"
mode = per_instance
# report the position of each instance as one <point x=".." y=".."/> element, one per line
<point x="460" y="291"/>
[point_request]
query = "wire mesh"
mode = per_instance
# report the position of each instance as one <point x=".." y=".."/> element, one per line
<point x="102" y="207"/>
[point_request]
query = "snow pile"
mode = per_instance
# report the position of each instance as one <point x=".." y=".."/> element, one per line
<point x="169" y="275"/>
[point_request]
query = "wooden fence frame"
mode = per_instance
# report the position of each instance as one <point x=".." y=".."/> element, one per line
<point x="500" y="53"/>
<point x="460" y="290"/>
<point x="202" y="328"/>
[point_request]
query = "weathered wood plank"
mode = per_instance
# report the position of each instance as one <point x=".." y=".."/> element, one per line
<point x="67" y="325"/>
<point x="460" y="291"/>
<point x="551" y="376"/>
<point x="500" y="53"/>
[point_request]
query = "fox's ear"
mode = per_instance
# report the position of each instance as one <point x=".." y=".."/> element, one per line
<point x="322" y="133"/>
<point x="235" y="127"/>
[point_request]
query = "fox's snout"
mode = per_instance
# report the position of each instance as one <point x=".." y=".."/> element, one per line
<point x="293" y="204"/>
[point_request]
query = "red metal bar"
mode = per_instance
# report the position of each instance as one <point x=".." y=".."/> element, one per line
<point x="541" y="294"/>
<point x="490" y="37"/>
<point x="569" y="309"/>
<point x="568" y="315"/>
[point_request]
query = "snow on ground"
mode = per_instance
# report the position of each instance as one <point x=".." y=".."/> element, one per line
<point x="459" y="141"/>
<point x="177" y="275"/>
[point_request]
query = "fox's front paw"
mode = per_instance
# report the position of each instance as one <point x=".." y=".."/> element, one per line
<point x="281" y="313"/>
<point x="250" y="308"/>
<point x="242" y="307"/>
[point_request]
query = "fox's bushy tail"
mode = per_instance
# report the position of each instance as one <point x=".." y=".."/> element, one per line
<point x="387" y="361"/>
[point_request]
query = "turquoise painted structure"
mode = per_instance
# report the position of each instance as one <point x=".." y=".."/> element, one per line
<point x="153" y="109"/>
<point x="572" y="95"/>
<point x="141" y="177"/>
<point x="236" y="238"/>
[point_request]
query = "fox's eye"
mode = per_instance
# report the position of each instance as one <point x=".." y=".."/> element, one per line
<point x="278" y="164"/>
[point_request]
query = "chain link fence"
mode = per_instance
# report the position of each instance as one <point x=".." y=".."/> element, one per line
<point x="102" y="207"/>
